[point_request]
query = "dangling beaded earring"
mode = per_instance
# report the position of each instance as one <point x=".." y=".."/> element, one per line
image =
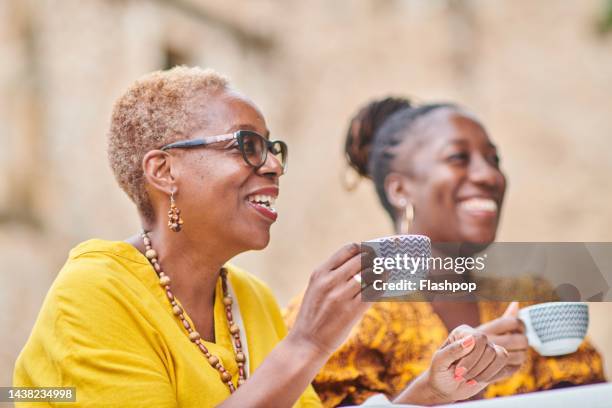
<point x="406" y="221"/>
<point x="175" y="222"/>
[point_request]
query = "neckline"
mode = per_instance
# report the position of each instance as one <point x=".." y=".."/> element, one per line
<point x="120" y="248"/>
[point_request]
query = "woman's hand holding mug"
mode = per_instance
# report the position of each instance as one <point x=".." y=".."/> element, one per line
<point x="509" y="332"/>
<point x="332" y="302"/>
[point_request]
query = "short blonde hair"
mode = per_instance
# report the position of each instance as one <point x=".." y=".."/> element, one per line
<point x="153" y="112"/>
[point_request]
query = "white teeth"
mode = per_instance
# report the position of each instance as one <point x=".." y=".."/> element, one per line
<point x="264" y="200"/>
<point x="479" y="204"/>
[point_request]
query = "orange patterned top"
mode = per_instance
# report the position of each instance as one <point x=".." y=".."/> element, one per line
<point x="395" y="342"/>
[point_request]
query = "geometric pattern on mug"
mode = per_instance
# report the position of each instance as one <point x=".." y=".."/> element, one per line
<point x="415" y="246"/>
<point x="560" y="322"/>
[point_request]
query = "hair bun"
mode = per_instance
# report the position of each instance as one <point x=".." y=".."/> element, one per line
<point x="362" y="130"/>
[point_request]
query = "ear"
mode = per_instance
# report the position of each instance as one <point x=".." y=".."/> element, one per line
<point x="397" y="189"/>
<point x="157" y="168"/>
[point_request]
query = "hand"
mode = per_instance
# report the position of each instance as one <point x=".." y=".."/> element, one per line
<point x="332" y="302"/>
<point x="509" y="332"/>
<point x="465" y="364"/>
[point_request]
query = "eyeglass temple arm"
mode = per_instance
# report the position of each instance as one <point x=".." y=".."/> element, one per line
<point x="200" y="142"/>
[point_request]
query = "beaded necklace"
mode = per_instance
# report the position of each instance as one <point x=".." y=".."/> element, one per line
<point x="194" y="336"/>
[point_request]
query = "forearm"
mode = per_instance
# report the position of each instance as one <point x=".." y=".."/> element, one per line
<point x="282" y="377"/>
<point x="418" y="392"/>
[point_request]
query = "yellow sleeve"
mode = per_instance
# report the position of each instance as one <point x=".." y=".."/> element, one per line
<point x="585" y="366"/>
<point x="92" y="334"/>
<point x="357" y="370"/>
<point x="309" y="398"/>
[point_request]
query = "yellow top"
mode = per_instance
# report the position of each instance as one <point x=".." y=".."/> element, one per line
<point x="106" y="328"/>
<point x="395" y="341"/>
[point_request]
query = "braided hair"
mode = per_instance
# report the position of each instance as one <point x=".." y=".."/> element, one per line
<point x="374" y="131"/>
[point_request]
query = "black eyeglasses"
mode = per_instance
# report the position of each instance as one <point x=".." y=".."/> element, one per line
<point x="253" y="146"/>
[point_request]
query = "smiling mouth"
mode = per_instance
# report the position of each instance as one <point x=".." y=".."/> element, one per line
<point x="264" y="205"/>
<point x="263" y="200"/>
<point x="479" y="205"/>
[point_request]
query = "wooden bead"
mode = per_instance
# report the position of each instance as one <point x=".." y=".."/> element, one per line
<point x="164" y="280"/>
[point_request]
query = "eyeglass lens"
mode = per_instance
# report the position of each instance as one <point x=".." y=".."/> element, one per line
<point x="254" y="148"/>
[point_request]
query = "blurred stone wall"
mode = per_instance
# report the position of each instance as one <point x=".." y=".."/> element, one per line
<point x="537" y="73"/>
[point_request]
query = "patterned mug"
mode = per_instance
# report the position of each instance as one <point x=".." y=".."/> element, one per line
<point x="413" y="250"/>
<point x="555" y="328"/>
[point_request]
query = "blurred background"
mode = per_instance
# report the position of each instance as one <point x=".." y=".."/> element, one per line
<point x="537" y="73"/>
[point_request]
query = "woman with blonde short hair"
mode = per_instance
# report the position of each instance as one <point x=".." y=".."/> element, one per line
<point x="161" y="319"/>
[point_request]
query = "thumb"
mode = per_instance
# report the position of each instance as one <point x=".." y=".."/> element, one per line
<point x="512" y="310"/>
<point x="446" y="356"/>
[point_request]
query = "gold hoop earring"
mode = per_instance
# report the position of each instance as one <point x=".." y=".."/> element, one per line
<point x="406" y="221"/>
<point x="175" y="222"/>
<point x="350" y="178"/>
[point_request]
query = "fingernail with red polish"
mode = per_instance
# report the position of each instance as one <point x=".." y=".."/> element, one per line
<point x="467" y="342"/>
<point x="458" y="378"/>
<point x="459" y="371"/>
<point x="472" y="382"/>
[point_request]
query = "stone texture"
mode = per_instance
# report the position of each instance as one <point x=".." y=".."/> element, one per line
<point x="535" y="72"/>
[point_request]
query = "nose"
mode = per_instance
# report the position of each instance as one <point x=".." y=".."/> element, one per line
<point x="482" y="172"/>
<point x="272" y="167"/>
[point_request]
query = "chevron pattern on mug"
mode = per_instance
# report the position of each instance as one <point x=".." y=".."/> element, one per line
<point x="413" y="250"/>
<point x="560" y="321"/>
<point x="556" y="328"/>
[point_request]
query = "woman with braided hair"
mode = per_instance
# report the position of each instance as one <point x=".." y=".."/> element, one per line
<point x="436" y="173"/>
